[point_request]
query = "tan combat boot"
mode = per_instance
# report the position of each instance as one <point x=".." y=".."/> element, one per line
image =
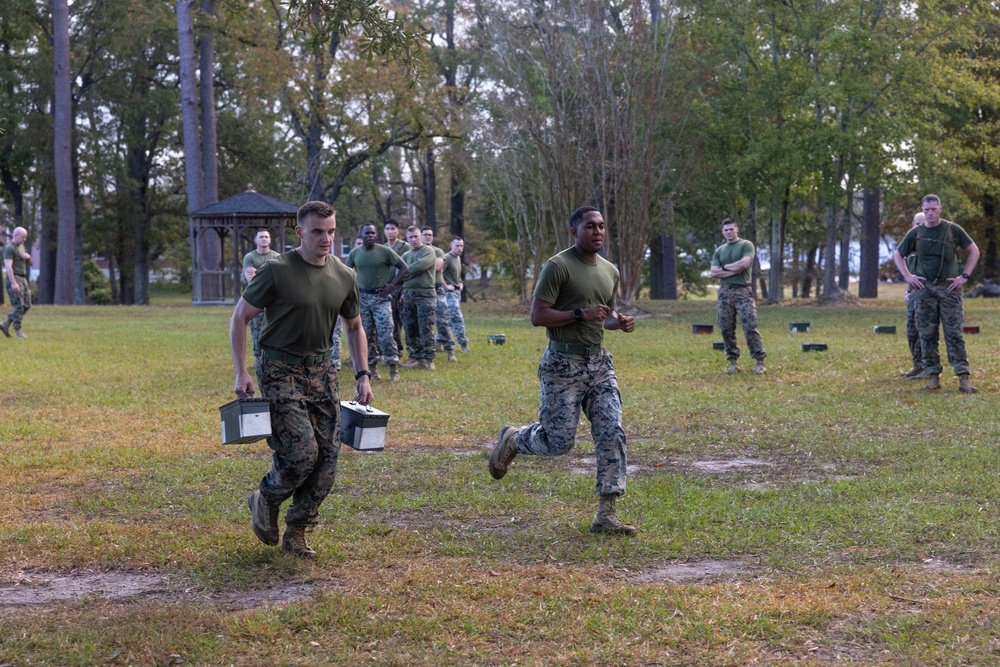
<point x="374" y="369"/>
<point x="5" y="328"/>
<point x="264" y="519"/>
<point x="733" y="367"/>
<point x="503" y="453"/>
<point x="912" y="373"/>
<point x="451" y="355"/>
<point x="759" y="368"/>
<point x="393" y="373"/>
<point x="429" y="365"/>
<point x="933" y="381"/>
<point x="606" y="521"/>
<point x="964" y="385"/>
<point x="294" y="542"/>
<point x="465" y="347"/>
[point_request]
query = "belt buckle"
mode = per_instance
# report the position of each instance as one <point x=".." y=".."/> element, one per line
<point x="310" y="359"/>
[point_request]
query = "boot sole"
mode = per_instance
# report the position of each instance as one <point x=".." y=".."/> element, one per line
<point x="598" y="529"/>
<point x="496" y="472"/>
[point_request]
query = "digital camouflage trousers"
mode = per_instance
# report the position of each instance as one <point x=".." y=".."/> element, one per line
<point x="305" y="436"/>
<point x="256" y="324"/>
<point x="454" y="299"/>
<point x="442" y="318"/>
<point x="569" y="383"/>
<point x="419" y="315"/>
<point x="738" y="302"/>
<point x="936" y="305"/>
<point x="376" y="318"/>
<point x="912" y="334"/>
<point x="20" y="302"/>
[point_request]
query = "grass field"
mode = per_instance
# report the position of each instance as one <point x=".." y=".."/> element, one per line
<point x="828" y="512"/>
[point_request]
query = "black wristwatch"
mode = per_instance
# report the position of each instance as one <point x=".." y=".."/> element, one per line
<point x="965" y="275"/>
<point x="357" y="376"/>
<point x="578" y="314"/>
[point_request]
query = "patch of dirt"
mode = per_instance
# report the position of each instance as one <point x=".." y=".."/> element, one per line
<point x="588" y="466"/>
<point x="938" y="565"/>
<point x="716" y="467"/>
<point x="696" y="572"/>
<point x="420" y="521"/>
<point x="51" y="588"/>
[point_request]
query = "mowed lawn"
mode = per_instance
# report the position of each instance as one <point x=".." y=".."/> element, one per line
<point x="829" y="512"/>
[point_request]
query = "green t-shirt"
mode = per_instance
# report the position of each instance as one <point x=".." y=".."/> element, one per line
<point x="14" y="253"/>
<point x="400" y="247"/>
<point x="935" y="250"/>
<point x="438" y="275"/>
<point x="256" y="260"/>
<point x="727" y="253"/>
<point x="421" y="264"/>
<point x="452" y="269"/>
<point x="567" y="281"/>
<point x="301" y="302"/>
<point x="375" y="267"/>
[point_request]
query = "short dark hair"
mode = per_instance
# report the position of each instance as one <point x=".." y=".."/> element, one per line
<point x="456" y="238"/>
<point x="729" y="221"/>
<point x="367" y="224"/>
<point x="427" y="229"/>
<point x="930" y="198"/>
<point x="319" y="209"/>
<point x="577" y="217"/>
<point x="392" y="222"/>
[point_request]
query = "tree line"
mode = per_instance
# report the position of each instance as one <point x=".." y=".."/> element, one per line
<point x="811" y="122"/>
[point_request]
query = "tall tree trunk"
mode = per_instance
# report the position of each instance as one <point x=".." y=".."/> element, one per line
<point x="845" y="242"/>
<point x="63" y="155"/>
<point x="776" y="253"/>
<point x="807" y="279"/>
<point x="209" y="141"/>
<point x="990" y="264"/>
<point x="456" y="222"/>
<point x="755" y="273"/>
<point x="870" y="234"/>
<point x="829" y="260"/>
<point x="430" y="189"/>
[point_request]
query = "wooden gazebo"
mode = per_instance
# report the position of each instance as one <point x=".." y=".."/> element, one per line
<point x="233" y="223"/>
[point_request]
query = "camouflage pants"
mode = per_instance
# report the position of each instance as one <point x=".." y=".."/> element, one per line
<point x="419" y="312"/>
<point x="935" y="304"/>
<point x="335" y="344"/>
<point x="569" y="382"/>
<point x="443" y="318"/>
<point x="454" y="299"/>
<point x="912" y="334"/>
<point x="376" y="318"/>
<point x="20" y="302"/>
<point x="256" y="324"/>
<point x="397" y="318"/>
<point x="737" y="301"/>
<point x="305" y="436"/>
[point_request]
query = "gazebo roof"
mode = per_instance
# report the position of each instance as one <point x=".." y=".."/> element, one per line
<point x="247" y="204"/>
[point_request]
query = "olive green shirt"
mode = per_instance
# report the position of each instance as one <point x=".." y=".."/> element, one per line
<point x="568" y="281"/>
<point x="375" y="267"/>
<point x="421" y="265"/>
<point x="438" y="275"/>
<point x="452" y="269"/>
<point x="727" y="253"/>
<point x="15" y="254"/>
<point x="256" y="260"/>
<point x="400" y="247"/>
<point x="935" y="249"/>
<point x="301" y="302"/>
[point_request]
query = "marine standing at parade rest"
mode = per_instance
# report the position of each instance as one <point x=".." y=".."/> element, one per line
<point x="400" y="247"/>
<point x="574" y="300"/>
<point x="303" y="292"/>
<point x="252" y="261"/>
<point x="731" y="263"/>
<point x="16" y="261"/>
<point x="912" y="335"/>
<point x="452" y="275"/>
<point x="419" y="301"/>
<point x="442" y="320"/>
<point x="374" y="264"/>
<point x="937" y="289"/>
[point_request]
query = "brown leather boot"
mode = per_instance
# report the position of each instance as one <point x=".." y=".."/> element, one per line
<point x="606" y="521"/>
<point x="294" y="542"/>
